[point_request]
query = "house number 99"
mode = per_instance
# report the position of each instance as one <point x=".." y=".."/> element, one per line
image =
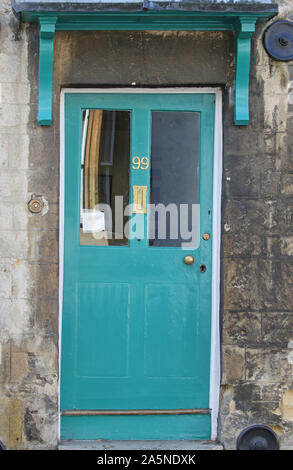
<point x="140" y="163"/>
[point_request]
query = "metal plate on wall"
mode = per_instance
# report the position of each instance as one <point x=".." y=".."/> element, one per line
<point x="257" y="437"/>
<point x="278" y="40"/>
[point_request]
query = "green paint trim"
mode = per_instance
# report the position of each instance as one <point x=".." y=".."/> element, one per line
<point x="242" y="23"/>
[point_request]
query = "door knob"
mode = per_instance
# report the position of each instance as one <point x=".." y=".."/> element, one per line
<point x="189" y="259"/>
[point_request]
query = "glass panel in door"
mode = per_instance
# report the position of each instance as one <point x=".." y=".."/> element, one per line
<point x="174" y="177"/>
<point x="105" y="153"/>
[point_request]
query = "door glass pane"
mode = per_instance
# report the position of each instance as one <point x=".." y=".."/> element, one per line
<point x="174" y="179"/>
<point x="105" y="157"/>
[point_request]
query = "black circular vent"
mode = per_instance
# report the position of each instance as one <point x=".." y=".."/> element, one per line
<point x="257" y="437"/>
<point x="278" y="40"/>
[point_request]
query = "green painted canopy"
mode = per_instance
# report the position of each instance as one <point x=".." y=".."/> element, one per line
<point x="203" y="15"/>
<point x="132" y="5"/>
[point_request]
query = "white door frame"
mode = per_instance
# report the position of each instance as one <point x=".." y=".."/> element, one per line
<point x="217" y="192"/>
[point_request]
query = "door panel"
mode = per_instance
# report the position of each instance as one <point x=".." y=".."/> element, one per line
<point x="136" y="318"/>
<point x="94" y="356"/>
<point x="136" y="428"/>
<point x="162" y="357"/>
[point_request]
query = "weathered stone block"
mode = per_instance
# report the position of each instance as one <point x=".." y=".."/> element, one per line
<point x="21" y="215"/>
<point x="15" y="423"/>
<point x="279" y="217"/>
<point x="10" y="70"/>
<point x="4" y="421"/>
<point x="42" y="356"/>
<point x="6" y="216"/>
<point x="11" y="422"/>
<point x="44" y="147"/>
<point x="4" y="151"/>
<point x="282" y="284"/>
<point x="47" y="317"/>
<point x="238" y="142"/>
<point x="272" y="392"/>
<point x="287" y="160"/>
<point x="12" y="115"/>
<point x="287" y="408"/>
<point x="276" y="145"/>
<point x="130" y="52"/>
<point x="275" y="104"/>
<point x="19" y="367"/>
<point x="16" y="317"/>
<point x="242" y="245"/>
<point x="23" y="280"/>
<point x="277" y="329"/>
<point x="45" y="182"/>
<point x="47" y="281"/>
<point x="279" y="246"/>
<point x="231" y="426"/>
<point x="15" y="93"/>
<point x="287" y="184"/>
<point x="18" y="151"/>
<point x="270" y="184"/>
<point x="5" y="281"/>
<point x="14" y="244"/>
<point x="247" y="392"/>
<point x="47" y="245"/>
<point x="242" y="328"/>
<point x="246" y="216"/>
<point x="267" y="366"/>
<point x="4" y="362"/>
<point x="240" y="168"/>
<point x="246" y="284"/>
<point x="13" y="186"/>
<point x="41" y="424"/>
<point x="260" y="412"/>
<point x="270" y="414"/>
<point x="233" y="363"/>
<point x="286" y="436"/>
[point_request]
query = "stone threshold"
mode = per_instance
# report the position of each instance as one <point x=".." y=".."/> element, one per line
<point x="139" y="445"/>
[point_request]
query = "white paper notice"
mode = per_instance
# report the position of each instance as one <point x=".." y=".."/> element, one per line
<point x="93" y="221"/>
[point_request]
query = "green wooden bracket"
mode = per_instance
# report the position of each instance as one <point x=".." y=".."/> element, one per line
<point x="243" y="51"/>
<point x="47" y="31"/>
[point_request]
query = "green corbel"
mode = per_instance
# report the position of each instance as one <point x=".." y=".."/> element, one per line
<point x="47" y="31"/>
<point x="243" y="52"/>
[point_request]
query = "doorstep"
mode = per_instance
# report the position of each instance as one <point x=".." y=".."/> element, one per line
<point x="139" y="445"/>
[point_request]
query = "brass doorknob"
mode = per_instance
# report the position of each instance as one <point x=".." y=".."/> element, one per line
<point x="189" y="259"/>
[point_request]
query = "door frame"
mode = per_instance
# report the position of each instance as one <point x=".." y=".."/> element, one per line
<point x="216" y="245"/>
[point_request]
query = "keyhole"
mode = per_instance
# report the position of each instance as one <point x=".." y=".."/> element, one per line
<point x="203" y="268"/>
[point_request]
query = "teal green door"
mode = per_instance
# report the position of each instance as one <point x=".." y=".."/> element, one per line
<point x="136" y="322"/>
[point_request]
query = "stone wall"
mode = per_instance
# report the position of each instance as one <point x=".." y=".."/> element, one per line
<point x="257" y="241"/>
<point x="28" y="256"/>
<point x="257" y="251"/>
